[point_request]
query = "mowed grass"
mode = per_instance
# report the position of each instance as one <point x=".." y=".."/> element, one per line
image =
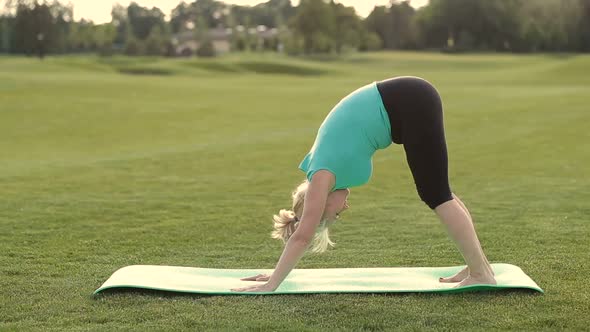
<point x="112" y="162"/>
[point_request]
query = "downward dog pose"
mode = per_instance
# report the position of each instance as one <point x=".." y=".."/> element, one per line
<point x="403" y="110"/>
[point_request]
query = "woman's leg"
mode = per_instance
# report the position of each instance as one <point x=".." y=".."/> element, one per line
<point x="461" y="230"/>
<point x="419" y="111"/>
<point x="463" y="206"/>
<point x="470" y="218"/>
<point x="432" y="185"/>
<point x="465" y="272"/>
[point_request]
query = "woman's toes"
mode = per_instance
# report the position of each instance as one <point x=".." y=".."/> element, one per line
<point x="451" y="279"/>
<point x="457" y="277"/>
<point x="445" y="279"/>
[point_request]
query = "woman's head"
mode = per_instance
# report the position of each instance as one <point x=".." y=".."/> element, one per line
<point x="286" y="222"/>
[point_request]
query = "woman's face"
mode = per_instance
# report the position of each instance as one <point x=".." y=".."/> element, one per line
<point x="336" y="203"/>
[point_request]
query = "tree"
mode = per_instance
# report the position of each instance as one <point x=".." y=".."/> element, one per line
<point x="583" y="28"/>
<point x="377" y="22"/>
<point x="402" y="15"/>
<point x="47" y="26"/>
<point x="133" y="46"/>
<point x="552" y="25"/>
<point x="347" y="26"/>
<point x="370" y="41"/>
<point x="63" y="16"/>
<point x="462" y="25"/>
<point x="206" y="49"/>
<point x="35" y="29"/>
<point x="179" y="17"/>
<point x="6" y="33"/>
<point x="395" y="25"/>
<point x="82" y="37"/>
<point x="105" y="35"/>
<point x="121" y="23"/>
<point x="155" y="43"/>
<point x="274" y="13"/>
<point x="314" y="21"/>
<point x="142" y="20"/>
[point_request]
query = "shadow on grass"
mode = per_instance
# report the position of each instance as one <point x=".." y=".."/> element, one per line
<point x="145" y="71"/>
<point x="560" y="56"/>
<point x="126" y="60"/>
<point x="147" y="292"/>
<point x="279" y="68"/>
<point x="258" y="67"/>
<point x="213" y="66"/>
<point x="480" y="293"/>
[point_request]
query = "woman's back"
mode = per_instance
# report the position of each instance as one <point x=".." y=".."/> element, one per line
<point x="349" y="136"/>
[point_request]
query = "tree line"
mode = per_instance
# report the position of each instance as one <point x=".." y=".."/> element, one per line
<point x="314" y="26"/>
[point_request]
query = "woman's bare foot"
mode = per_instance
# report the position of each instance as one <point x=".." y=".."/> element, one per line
<point x="477" y="280"/>
<point x="457" y="277"/>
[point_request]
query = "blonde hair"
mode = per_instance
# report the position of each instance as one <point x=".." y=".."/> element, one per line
<point x="287" y="221"/>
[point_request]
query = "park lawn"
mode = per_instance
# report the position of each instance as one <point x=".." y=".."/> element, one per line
<point x="113" y="162"/>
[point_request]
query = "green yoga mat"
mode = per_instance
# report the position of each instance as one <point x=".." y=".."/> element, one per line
<point x="301" y="281"/>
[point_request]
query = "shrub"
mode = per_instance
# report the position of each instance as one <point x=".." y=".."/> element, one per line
<point x="206" y="49"/>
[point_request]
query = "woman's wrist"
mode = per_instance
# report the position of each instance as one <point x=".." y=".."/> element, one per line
<point x="272" y="282"/>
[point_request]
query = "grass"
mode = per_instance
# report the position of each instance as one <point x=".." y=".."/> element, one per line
<point x="102" y="169"/>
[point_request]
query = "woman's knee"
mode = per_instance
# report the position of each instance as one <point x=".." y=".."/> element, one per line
<point x="434" y="198"/>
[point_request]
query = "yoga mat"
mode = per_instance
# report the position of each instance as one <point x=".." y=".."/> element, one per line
<point x="302" y="281"/>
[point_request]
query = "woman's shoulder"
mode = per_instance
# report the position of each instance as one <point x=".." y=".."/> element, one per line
<point x="323" y="178"/>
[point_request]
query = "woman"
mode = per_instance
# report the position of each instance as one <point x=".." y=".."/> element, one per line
<point x="403" y="110"/>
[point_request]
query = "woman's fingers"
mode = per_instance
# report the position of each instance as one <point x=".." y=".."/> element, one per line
<point x="253" y="278"/>
<point x="258" y="277"/>
<point x="256" y="288"/>
<point x="263" y="288"/>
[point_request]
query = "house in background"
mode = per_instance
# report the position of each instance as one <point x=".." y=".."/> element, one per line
<point x="224" y="40"/>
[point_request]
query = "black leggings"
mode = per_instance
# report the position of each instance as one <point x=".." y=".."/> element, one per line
<point x="415" y="113"/>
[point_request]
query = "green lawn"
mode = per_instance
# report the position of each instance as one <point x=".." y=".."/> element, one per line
<point x="108" y="163"/>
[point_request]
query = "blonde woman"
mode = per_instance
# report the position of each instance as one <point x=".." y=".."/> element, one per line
<point x="402" y="110"/>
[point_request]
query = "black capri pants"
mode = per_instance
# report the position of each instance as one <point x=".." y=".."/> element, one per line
<point x="415" y="113"/>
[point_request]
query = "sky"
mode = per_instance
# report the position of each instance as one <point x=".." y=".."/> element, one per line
<point x="99" y="11"/>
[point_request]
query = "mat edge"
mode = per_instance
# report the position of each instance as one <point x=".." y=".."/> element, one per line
<point x="445" y="290"/>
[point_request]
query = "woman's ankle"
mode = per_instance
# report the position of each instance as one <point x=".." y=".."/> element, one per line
<point x="481" y="274"/>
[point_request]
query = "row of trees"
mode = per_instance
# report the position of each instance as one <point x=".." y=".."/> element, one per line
<point x="314" y="26"/>
<point x="500" y="25"/>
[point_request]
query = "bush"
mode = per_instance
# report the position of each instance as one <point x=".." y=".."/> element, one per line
<point x="154" y="46"/>
<point x="106" y="49"/>
<point x="293" y="45"/>
<point x="206" y="49"/>
<point x="169" y="49"/>
<point x="370" y="42"/>
<point x="133" y="47"/>
<point x="239" y="44"/>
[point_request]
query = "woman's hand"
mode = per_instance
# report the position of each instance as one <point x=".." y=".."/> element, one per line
<point x="256" y="288"/>
<point x="259" y="277"/>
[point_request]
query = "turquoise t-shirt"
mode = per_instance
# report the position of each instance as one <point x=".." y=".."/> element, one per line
<point x="348" y="138"/>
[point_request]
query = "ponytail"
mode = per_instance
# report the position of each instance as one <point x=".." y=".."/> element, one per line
<point x="287" y="221"/>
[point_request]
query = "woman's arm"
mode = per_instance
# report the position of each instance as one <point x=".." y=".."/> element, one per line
<point x="315" y="201"/>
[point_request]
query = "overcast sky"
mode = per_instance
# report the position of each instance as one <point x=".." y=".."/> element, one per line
<point x="99" y="11"/>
